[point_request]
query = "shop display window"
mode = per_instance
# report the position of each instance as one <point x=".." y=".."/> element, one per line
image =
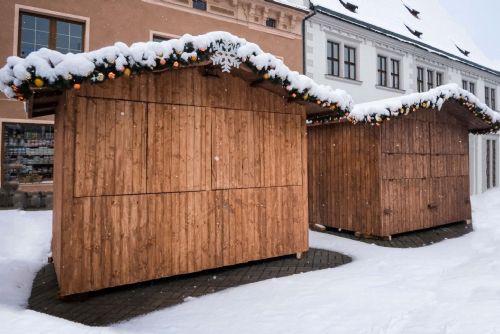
<point x="28" y="153"/>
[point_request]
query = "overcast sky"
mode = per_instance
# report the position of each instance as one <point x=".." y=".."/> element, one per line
<point x="481" y="20"/>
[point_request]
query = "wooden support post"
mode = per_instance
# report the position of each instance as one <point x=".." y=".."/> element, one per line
<point x="298" y="255"/>
<point x="468" y="221"/>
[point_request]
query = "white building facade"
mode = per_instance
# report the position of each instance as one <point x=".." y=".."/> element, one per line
<point x="371" y="63"/>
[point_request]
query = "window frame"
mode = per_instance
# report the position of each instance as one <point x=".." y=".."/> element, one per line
<point x="439" y="78"/>
<point x="160" y="38"/>
<point x="420" y="79"/>
<point x="52" y="28"/>
<point x="195" y="5"/>
<point x="490" y="162"/>
<point x="395" y="75"/>
<point x="382" y="70"/>
<point x="493" y="98"/>
<point x="348" y="63"/>
<point x="332" y="60"/>
<point x="487" y="95"/>
<point x="472" y="87"/>
<point x="465" y="85"/>
<point x="274" y="24"/>
<point x="430" y="79"/>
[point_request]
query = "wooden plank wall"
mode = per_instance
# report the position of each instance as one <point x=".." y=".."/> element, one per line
<point x="424" y="172"/>
<point x="158" y="177"/>
<point x="344" y="173"/>
<point x="409" y="174"/>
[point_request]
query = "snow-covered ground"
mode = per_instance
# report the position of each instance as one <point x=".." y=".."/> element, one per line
<point x="449" y="287"/>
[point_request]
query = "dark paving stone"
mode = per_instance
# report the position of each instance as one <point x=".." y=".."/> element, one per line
<point x="412" y="239"/>
<point x="118" y="304"/>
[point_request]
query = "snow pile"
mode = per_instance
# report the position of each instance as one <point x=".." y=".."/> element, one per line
<point x="24" y="248"/>
<point x="451" y="287"/>
<point x="49" y="68"/>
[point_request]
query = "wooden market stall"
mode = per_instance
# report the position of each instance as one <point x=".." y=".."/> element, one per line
<point x="190" y="163"/>
<point x="409" y="173"/>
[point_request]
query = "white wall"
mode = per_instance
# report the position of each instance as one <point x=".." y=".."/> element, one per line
<point x="321" y="28"/>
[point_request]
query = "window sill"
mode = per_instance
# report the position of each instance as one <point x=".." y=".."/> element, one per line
<point x="390" y="89"/>
<point x="351" y="81"/>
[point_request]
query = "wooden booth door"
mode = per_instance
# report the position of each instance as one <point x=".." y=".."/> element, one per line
<point x="110" y="147"/>
<point x="424" y="171"/>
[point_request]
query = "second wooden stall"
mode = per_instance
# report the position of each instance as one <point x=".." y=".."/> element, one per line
<point x="410" y="172"/>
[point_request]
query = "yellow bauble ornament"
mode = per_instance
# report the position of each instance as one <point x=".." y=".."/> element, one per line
<point x="126" y="72"/>
<point x="194" y="57"/>
<point x="38" y="82"/>
<point x="266" y="76"/>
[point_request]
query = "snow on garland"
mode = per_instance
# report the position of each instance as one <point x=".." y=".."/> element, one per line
<point x="49" y="68"/>
<point x="376" y="112"/>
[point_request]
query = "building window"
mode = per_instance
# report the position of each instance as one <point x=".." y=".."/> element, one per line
<point x="472" y="87"/>
<point x="420" y="79"/>
<point x="333" y="59"/>
<point x="430" y="79"/>
<point x="487" y="96"/>
<point x="439" y="79"/>
<point x="270" y="22"/>
<point x="158" y="38"/>
<point x="395" y="73"/>
<point x="349" y="63"/>
<point x="200" y="4"/>
<point x="382" y="70"/>
<point x="36" y="32"/>
<point x="469" y="85"/>
<point x="28" y="153"/>
<point x="491" y="162"/>
<point x="493" y="96"/>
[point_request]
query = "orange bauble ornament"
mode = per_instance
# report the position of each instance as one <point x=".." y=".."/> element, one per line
<point x="111" y="75"/>
<point x="176" y="64"/>
<point x="76" y="86"/>
<point x="38" y="82"/>
<point x="163" y="61"/>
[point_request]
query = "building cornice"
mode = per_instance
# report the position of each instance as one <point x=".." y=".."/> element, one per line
<point x="251" y="9"/>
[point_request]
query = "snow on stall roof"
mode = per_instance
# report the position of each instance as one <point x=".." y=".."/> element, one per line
<point x="374" y="111"/>
<point x="18" y="76"/>
<point x="439" y="29"/>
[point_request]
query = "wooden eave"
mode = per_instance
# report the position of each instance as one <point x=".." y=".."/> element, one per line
<point x="465" y="116"/>
<point x="44" y="101"/>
